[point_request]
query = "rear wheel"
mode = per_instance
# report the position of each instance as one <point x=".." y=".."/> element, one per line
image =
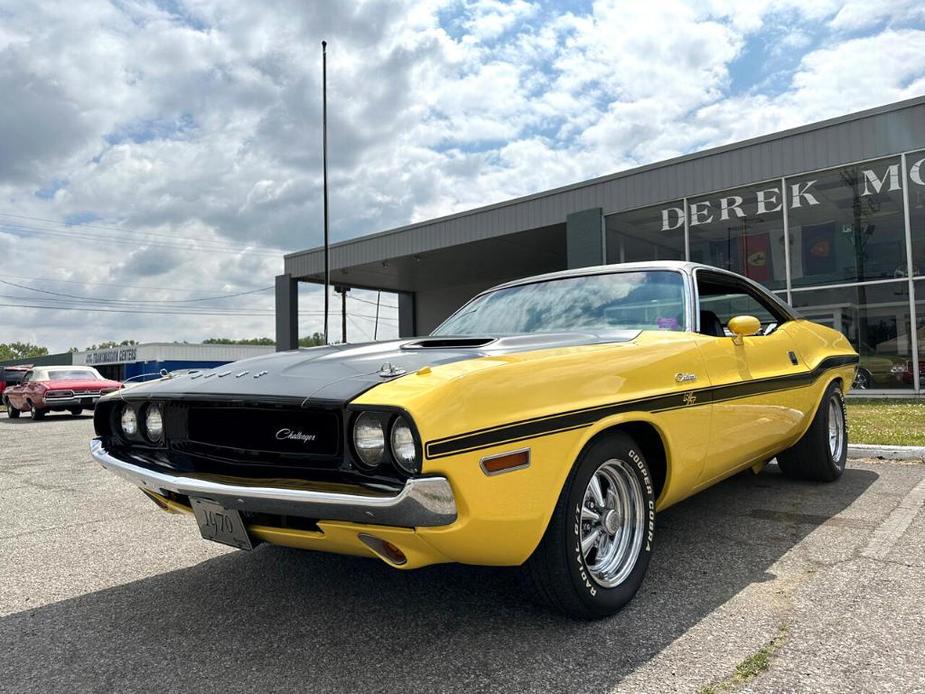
<point x="596" y="549"/>
<point x="75" y="411"/>
<point x="822" y="452"/>
<point x="38" y="413"/>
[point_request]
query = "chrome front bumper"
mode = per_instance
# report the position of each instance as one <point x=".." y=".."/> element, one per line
<point x="422" y="502"/>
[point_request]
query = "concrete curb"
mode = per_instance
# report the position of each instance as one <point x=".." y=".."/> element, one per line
<point x="863" y="450"/>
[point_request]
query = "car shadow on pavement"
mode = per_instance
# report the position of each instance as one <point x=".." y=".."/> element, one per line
<point x="283" y="620"/>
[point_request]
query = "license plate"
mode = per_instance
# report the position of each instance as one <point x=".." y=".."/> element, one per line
<point x="220" y="524"/>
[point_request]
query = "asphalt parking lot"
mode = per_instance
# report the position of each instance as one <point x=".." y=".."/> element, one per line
<point x="101" y="591"/>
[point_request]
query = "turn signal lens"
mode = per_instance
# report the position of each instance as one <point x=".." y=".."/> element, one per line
<point x="369" y="439"/>
<point x="129" y="421"/>
<point x="154" y="423"/>
<point x="404" y="449"/>
<point x="506" y="462"/>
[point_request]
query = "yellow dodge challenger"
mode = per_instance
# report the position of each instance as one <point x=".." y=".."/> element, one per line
<point x="543" y="425"/>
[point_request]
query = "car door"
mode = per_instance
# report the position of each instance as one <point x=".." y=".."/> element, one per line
<point x="756" y="404"/>
<point x="17" y="394"/>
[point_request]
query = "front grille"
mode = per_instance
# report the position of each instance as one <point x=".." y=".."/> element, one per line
<point x="300" y="432"/>
<point x="257" y="434"/>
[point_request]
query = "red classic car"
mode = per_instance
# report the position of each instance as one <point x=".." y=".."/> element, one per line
<point x="56" y="389"/>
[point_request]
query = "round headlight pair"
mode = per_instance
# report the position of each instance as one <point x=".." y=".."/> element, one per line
<point x="369" y="440"/>
<point x="154" y="422"/>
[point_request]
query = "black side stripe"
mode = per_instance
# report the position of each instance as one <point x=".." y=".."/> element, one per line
<point x="578" y="419"/>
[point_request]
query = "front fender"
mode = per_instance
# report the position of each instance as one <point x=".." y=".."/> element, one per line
<point x="502" y="518"/>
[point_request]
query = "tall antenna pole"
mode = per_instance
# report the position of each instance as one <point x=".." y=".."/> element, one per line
<point x="324" y="166"/>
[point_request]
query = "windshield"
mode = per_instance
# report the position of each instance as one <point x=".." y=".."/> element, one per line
<point x="649" y="300"/>
<point x="72" y="375"/>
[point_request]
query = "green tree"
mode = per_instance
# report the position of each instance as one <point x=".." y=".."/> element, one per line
<point x="109" y="344"/>
<point x="313" y="341"/>
<point x="266" y="341"/>
<point x="21" y="350"/>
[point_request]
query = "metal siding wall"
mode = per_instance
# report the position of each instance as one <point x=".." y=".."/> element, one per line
<point x="879" y="133"/>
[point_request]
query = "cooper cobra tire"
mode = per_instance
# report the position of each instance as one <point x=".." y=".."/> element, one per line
<point x="590" y="579"/>
<point x="821" y="454"/>
<point x="11" y="411"/>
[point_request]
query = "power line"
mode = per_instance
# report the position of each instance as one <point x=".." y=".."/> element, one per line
<point x="65" y="227"/>
<point x="371" y="303"/>
<point x="169" y="311"/>
<point x="202" y="247"/>
<point x="134" y="301"/>
<point x="136" y="311"/>
<point x="55" y="280"/>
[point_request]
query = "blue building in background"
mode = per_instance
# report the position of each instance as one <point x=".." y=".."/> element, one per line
<point x="137" y="361"/>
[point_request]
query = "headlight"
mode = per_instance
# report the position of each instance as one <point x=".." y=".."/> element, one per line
<point x="129" y="421"/>
<point x="404" y="448"/>
<point x="369" y="438"/>
<point x="154" y="423"/>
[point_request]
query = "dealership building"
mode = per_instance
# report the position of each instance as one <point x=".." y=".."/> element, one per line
<point x="147" y="360"/>
<point x="831" y="216"/>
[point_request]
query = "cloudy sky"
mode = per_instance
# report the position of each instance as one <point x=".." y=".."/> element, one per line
<point x="155" y="155"/>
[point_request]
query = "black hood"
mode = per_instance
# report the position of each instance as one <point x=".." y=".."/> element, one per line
<point x="339" y="373"/>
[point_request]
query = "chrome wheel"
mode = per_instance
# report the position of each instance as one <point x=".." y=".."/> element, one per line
<point x="612" y="523"/>
<point x="836" y="429"/>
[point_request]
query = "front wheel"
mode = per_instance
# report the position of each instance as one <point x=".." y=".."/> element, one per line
<point x="38" y="413"/>
<point x="822" y="452"/>
<point x="594" y="554"/>
<point x="11" y="411"/>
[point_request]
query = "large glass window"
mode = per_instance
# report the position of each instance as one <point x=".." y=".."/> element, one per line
<point x="847" y="224"/>
<point x="915" y="165"/>
<point x="875" y="318"/>
<point x="652" y="233"/>
<point x="919" y="334"/>
<point x="605" y="302"/>
<point x="741" y="230"/>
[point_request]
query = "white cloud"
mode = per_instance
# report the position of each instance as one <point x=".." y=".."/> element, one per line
<point x="198" y="127"/>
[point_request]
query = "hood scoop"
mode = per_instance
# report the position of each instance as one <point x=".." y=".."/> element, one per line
<point x="449" y="343"/>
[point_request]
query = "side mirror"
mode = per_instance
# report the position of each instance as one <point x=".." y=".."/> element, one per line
<point x="741" y="326"/>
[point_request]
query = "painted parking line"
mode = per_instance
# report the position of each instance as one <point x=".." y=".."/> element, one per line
<point x="886" y="535"/>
